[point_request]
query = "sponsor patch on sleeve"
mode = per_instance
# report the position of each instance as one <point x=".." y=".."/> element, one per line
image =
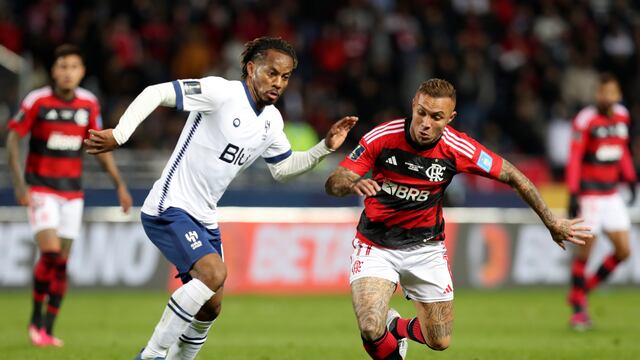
<point x="485" y="161"/>
<point x="192" y="87"/>
<point x="19" y="116"/>
<point x="355" y="154"/>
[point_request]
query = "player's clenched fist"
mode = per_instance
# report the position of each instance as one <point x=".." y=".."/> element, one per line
<point x="366" y="187"/>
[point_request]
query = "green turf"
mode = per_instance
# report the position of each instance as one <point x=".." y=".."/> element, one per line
<point x="522" y="324"/>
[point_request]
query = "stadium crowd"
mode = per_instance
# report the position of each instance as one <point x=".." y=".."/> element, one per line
<point x="522" y="68"/>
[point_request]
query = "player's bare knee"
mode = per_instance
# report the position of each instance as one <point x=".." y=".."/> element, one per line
<point x="211" y="273"/>
<point x="438" y="344"/>
<point x="622" y="253"/>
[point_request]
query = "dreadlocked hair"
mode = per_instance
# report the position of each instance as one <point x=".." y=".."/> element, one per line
<point x="257" y="48"/>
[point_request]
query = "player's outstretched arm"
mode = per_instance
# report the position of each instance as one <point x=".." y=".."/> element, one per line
<point x="303" y="161"/>
<point x="343" y="182"/>
<point x="147" y="101"/>
<point x="561" y="229"/>
<point x="338" y="132"/>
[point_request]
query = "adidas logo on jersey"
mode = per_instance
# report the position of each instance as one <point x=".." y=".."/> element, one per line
<point x="52" y="115"/>
<point x="392" y="161"/>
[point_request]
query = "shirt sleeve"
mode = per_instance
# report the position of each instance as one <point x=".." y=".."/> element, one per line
<point x="361" y="159"/>
<point x="579" y="139"/>
<point x="23" y="121"/>
<point x="206" y="94"/>
<point x="476" y="159"/>
<point x="95" y="117"/>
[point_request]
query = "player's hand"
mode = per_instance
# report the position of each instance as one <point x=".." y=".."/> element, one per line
<point x="570" y="230"/>
<point x="100" y="141"/>
<point x="365" y="187"/>
<point x="23" y="196"/>
<point x="125" y="198"/>
<point x="574" y="207"/>
<point x="338" y="132"/>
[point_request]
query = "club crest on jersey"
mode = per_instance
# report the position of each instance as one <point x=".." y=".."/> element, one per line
<point x="81" y="117"/>
<point x="356" y="153"/>
<point x="192" y="87"/>
<point x="267" y="126"/>
<point x="485" y="161"/>
<point x="435" y="172"/>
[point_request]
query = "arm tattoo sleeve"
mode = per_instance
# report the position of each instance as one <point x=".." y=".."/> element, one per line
<point x="341" y="181"/>
<point x="524" y="187"/>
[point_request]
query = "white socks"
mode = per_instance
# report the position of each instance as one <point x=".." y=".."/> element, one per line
<point x="190" y="342"/>
<point x="181" y="308"/>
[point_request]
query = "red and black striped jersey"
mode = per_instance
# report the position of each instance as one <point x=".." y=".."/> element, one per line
<point x="58" y="128"/>
<point x="599" y="156"/>
<point x="407" y="211"/>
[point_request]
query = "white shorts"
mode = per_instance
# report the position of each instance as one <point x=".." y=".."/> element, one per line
<point x="50" y="211"/>
<point x="604" y="212"/>
<point x="422" y="272"/>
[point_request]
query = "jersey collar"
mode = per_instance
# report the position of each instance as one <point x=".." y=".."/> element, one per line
<point x="409" y="139"/>
<point x="253" y="104"/>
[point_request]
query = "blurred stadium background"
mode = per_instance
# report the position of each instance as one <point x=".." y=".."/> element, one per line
<point x="521" y="68"/>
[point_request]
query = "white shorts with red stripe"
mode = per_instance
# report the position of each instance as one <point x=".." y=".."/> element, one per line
<point x="422" y="272"/>
<point x="50" y="211"/>
<point x="604" y="212"/>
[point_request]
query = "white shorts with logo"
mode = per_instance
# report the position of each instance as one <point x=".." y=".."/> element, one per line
<point x="50" y="211"/>
<point x="422" y="272"/>
<point x="604" y="212"/>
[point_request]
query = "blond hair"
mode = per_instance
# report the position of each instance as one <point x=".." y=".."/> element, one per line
<point x="438" y="88"/>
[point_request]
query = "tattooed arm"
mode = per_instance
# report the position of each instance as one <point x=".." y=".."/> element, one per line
<point x="343" y="182"/>
<point x="560" y="229"/>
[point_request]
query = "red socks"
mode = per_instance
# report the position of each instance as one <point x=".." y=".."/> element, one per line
<point x="408" y="328"/>
<point x="385" y="348"/>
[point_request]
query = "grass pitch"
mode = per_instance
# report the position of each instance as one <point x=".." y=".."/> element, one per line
<point x="491" y="325"/>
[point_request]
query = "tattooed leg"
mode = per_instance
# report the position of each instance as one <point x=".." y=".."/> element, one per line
<point x="436" y="323"/>
<point x="370" y="296"/>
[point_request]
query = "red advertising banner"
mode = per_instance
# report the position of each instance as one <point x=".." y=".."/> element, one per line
<point x="296" y="258"/>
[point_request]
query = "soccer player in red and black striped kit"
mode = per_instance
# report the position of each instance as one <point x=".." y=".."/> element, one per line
<point x="599" y="159"/>
<point x="399" y="239"/>
<point x="58" y="118"/>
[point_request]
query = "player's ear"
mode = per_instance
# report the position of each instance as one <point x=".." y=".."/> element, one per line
<point x="251" y="67"/>
<point x="453" y="115"/>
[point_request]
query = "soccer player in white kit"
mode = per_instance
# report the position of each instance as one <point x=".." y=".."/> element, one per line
<point x="230" y="125"/>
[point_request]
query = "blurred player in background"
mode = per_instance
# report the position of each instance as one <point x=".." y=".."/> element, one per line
<point x="58" y="118"/>
<point x="599" y="159"/>
<point x="400" y="235"/>
<point x="231" y="124"/>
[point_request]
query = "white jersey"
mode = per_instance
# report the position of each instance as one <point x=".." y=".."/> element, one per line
<point x="224" y="134"/>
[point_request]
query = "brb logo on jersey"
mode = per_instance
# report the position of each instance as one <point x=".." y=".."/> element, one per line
<point x="192" y="238"/>
<point x="62" y="142"/>
<point x="235" y="155"/>
<point x="435" y="172"/>
<point x="404" y="192"/>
